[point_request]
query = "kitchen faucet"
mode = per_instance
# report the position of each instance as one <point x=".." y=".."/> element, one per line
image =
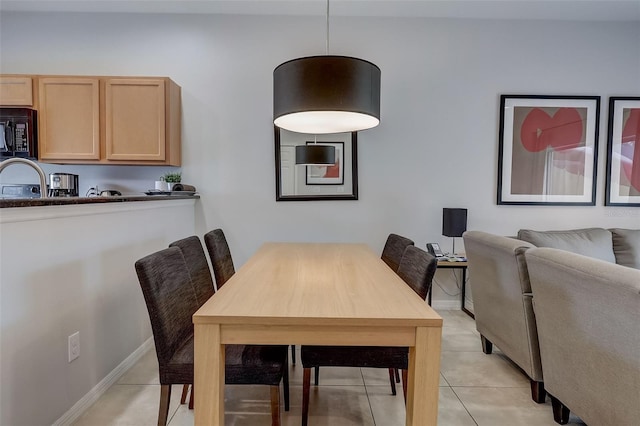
<point x="34" y="165"/>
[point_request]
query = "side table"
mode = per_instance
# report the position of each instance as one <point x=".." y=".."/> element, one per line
<point x="445" y="264"/>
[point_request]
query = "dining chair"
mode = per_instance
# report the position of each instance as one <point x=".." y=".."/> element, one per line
<point x="171" y="302"/>
<point x="416" y="268"/>
<point x="394" y="249"/>
<point x="196" y="261"/>
<point x="391" y="255"/>
<point x="200" y="273"/>
<point x="220" y="256"/>
<point x="222" y="263"/>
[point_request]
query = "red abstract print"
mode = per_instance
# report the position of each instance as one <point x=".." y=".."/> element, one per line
<point x="561" y="131"/>
<point x="630" y="156"/>
<point x="333" y="171"/>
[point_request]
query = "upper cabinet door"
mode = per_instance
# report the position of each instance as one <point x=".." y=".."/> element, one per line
<point x="135" y="119"/>
<point x="16" y="91"/>
<point x="69" y="118"/>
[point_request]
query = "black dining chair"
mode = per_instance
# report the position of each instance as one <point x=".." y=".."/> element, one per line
<point x="391" y="255"/>
<point x="220" y="256"/>
<point x="222" y="263"/>
<point x="394" y="249"/>
<point x="200" y="273"/>
<point x="416" y="268"/>
<point x="171" y="301"/>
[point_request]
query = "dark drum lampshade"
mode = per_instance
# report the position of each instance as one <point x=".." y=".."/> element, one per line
<point x="326" y="94"/>
<point x="315" y="154"/>
<point x="454" y="222"/>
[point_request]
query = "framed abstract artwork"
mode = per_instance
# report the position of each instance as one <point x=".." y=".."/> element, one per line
<point x="548" y="148"/>
<point x="623" y="160"/>
<point x="327" y="175"/>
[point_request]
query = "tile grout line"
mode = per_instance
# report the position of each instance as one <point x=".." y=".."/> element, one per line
<point x="465" y="407"/>
<point x="366" y="391"/>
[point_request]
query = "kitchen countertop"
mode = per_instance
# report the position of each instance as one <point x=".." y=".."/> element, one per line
<point x="65" y="201"/>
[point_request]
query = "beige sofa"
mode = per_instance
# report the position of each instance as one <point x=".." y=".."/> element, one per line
<point x="503" y="299"/>
<point x="588" y="318"/>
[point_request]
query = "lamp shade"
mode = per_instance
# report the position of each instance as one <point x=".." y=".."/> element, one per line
<point x="315" y="155"/>
<point x="454" y="222"/>
<point x="326" y="94"/>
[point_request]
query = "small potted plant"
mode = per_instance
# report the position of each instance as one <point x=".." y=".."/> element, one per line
<point x="171" y="179"/>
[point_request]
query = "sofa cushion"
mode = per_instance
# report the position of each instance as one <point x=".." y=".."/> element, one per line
<point x="626" y="247"/>
<point x="592" y="242"/>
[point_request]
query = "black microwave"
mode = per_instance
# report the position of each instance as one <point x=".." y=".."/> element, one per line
<point x="18" y="133"/>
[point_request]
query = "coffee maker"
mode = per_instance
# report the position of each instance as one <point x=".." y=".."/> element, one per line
<point x="63" y="185"/>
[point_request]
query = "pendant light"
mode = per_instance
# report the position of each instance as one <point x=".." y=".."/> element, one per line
<point x="316" y="155"/>
<point x="326" y="94"/>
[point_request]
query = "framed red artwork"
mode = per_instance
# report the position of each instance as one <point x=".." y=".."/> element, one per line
<point x="623" y="160"/>
<point x="548" y="148"/>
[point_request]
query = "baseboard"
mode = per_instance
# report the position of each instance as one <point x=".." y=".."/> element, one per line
<point x="451" y="305"/>
<point x="98" y="390"/>
<point x="446" y="305"/>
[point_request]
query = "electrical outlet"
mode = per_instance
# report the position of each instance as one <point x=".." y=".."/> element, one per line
<point x="74" y="346"/>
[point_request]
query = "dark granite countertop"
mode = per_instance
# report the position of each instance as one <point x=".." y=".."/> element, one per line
<point x="65" y="201"/>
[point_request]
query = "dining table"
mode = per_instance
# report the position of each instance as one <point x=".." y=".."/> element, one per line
<point x="338" y="294"/>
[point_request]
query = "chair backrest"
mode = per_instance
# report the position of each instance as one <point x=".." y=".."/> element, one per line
<point x="394" y="249"/>
<point x="417" y="268"/>
<point x="198" y="266"/>
<point x="220" y="256"/>
<point x="170" y="298"/>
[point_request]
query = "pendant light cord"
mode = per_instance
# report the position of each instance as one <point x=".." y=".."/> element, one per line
<point x="327" y="27"/>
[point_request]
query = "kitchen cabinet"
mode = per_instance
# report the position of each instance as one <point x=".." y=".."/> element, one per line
<point x="16" y="91"/>
<point x="109" y="120"/>
<point x="69" y="118"/>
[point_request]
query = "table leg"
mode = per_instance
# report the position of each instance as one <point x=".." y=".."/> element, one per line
<point x="424" y="377"/>
<point x="208" y="375"/>
<point x="463" y="288"/>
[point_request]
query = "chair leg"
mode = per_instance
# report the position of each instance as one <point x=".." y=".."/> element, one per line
<point x="165" y="396"/>
<point x="185" y="391"/>
<point x="397" y="371"/>
<point x="317" y="375"/>
<point x="538" y="393"/>
<point x="560" y="411"/>
<point x="487" y="346"/>
<point x="275" y="405"/>
<point x="392" y="380"/>
<point x="405" y="377"/>
<point x="306" y="385"/>
<point x="191" y="399"/>
<point x="285" y="385"/>
<point x="293" y="354"/>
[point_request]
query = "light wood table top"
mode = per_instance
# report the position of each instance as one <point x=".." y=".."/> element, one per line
<point x="340" y="284"/>
<point x="318" y="294"/>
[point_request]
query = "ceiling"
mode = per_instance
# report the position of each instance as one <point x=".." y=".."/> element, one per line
<point x="574" y="10"/>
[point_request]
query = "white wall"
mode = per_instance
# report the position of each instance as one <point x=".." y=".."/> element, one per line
<point x="435" y="147"/>
<point x="437" y="143"/>
<point x="71" y="268"/>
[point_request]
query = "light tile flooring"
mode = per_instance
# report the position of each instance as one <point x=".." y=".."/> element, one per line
<point x="475" y="389"/>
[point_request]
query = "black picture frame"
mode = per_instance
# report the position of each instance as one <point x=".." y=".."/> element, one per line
<point x="348" y="190"/>
<point x="620" y="190"/>
<point x="548" y="144"/>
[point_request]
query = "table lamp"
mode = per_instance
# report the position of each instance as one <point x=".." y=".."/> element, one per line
<point x="454" y="223"/>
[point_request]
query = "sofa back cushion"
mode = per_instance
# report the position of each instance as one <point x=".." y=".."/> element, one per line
<point x="626" y="247"/>
<point x="592" y="242"/>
